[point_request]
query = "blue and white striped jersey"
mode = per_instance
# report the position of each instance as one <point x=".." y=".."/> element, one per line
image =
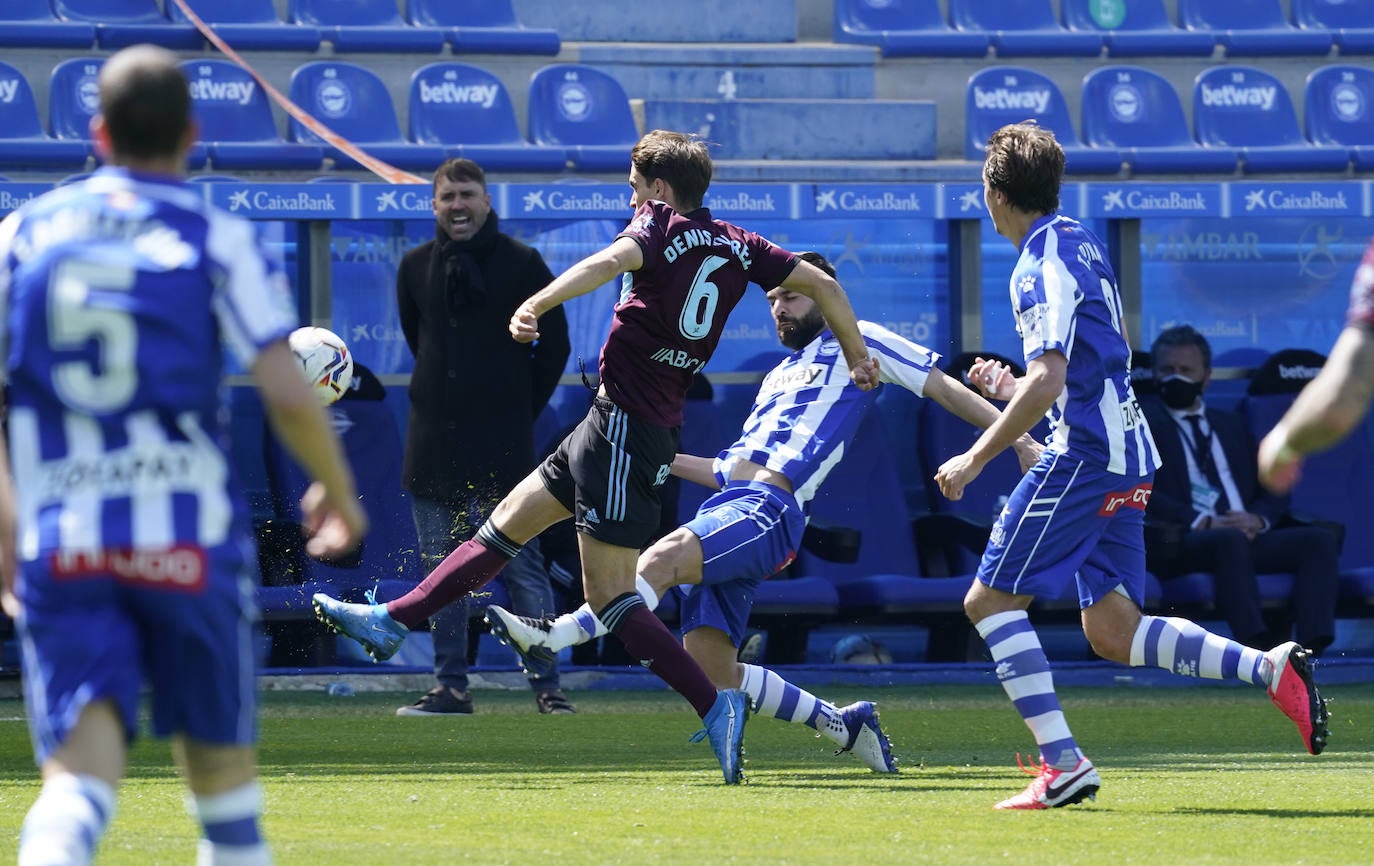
<point x="808" y="409"/>
<point x="119" y="295"/>
<point x="1065" y="298"/>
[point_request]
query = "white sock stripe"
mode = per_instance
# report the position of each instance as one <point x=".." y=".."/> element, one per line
<point x="245" y="801"/>
<point x="1030" y="684"/>
<point x="1017" y="643"/>
<point x="1049" y="727"/>
<point x="1138" y="641"/>
<point x="646" y="592"/>
<point x="988" y="624"/>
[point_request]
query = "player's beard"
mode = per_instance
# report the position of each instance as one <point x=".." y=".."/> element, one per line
<point x="803" y="330"/>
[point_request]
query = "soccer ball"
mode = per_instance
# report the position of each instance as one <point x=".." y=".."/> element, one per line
<point x="325" y="358"/>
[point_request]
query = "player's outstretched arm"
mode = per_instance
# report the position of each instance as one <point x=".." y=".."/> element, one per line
<point x="700" y="470"/>
<point x="1325" y="412"/>
<point x="330" y="509"/>
<point x="809" y="280"/>
<point x="954" y="397"/>
<point x="595" y="270"/>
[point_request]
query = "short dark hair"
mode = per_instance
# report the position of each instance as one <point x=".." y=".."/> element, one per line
<point x="819" y="261"/>
<point x="678" y="159"/>
<point x="1026" y="164"/>
<point x="145" y="101"/>
<point x="1182" y="335"/>
<point x="459" y="170"/>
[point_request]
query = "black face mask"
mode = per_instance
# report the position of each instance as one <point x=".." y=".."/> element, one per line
<point x="1178" y="392"/>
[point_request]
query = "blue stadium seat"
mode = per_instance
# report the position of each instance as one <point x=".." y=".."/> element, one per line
<point x="31" y="24"/>
<point x="1351" y="22"/>
<point x="482" y="27"/>
<point x="1138" y="111"/>
<point x="120" y="23"/>
<point x="74" y="98"/>
<point x="23" y="141"/>
<point x="1251" y="27"/>
<point x="1247" y="108"/>
<point x="236" y="122"/>
<point x="905" y="28"/>
<point x="1335" y="484"/>
<point x="1138" y="28"/>
<point x="249" y="25"/>
<point x="372" y="444"/>
<point x="1339" y="109"/>
<point x="585" y="111"/>
<point x="366" y="25"/>
<point x="1022" y="28"/>
<point x="354" y="103"/>
<point x="999" y="95"/>
<point x="468" y="111"/>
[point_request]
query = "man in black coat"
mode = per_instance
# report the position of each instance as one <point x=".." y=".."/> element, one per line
<point x="474" y="396"/>
<point x="1208" y="486"/>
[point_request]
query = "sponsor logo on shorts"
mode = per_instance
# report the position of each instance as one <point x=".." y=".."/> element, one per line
<point x="180" y="569"/>
<point x="1137" y="498"/>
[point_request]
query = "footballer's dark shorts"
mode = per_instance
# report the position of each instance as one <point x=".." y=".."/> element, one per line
<point x="608" y="472"/>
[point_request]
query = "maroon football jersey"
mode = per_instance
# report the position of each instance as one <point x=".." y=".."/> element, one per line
<point x="672" y="311"/>
<point x="1362" y="291"/>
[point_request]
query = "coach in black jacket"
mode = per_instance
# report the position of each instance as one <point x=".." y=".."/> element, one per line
<point x="474" y="396"/>
<point x="1208" y="487"/>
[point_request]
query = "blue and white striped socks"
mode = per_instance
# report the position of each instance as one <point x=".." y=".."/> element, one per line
<point x="1186" y="648"/>
<point x="67" y="821"/>
<point x="1024" y="672"/>
<point x="774" y="696"/>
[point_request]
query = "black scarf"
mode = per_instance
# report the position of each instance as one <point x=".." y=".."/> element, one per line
<point x="456" y="263"/>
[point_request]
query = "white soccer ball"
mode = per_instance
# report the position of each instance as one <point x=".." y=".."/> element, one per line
<point x="325" y="358"/>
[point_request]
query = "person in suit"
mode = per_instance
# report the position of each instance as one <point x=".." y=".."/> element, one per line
<point x="1232" y="527"/>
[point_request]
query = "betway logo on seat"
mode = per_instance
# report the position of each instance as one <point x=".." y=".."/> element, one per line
<point x="450" y="93"/>
<point x="1239" y="96"/>
<point x="1034" y="101"/>
<point x="209" y="90"/>
<point x="1298" y="371"/>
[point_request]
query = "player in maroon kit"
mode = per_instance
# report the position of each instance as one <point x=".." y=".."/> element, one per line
<point x="687" y="273"/>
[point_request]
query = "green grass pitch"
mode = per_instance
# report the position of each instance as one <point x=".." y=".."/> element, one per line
<point x="1202" y="775"/>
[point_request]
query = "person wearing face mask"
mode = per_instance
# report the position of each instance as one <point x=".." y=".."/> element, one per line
<point x="1233" y="528"/>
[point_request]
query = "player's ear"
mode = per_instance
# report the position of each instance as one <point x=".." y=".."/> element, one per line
<point x="100" y="137"/>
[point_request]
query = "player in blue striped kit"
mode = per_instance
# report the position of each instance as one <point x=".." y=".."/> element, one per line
<point x="130" y="535"/>
<point x="1078" y="515"/>
<point x="803" y="420"/>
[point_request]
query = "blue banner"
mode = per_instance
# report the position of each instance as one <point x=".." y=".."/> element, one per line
<point x="385" y="201"/>
<point x="1311" y="198"/>
<point x="1138" y="200"/>
<point x="563" y="201"/>
<point x="830" y="200"/>
<point x="282" y="201"/>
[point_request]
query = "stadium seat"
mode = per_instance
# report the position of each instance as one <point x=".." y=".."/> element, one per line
<point x="23" y="141"/>
<point x="1338" y="104"/>
<point x="468" y="111"/>
<point x="482" y="27"/>
<point x="1335" y="484"/>
<point x="1022" y="28"/>
<point x="585" y="111"/>
<point x="1249" y="109"/>
<point x="372" y="444"/>
<point x="31" y="24"/>
<point x="120" y="23"/>
<point x="1251" y="27"/>
<point x="73" y="100"/>
<point x="1138" y="28"/>
<point x="905" y="28"/>
<point x="366" y="25"/>
<point x="236" y="122"/>
<point x="249" y="25"/>
<point x="1351" y="22"/>
<point x="353" y="102"/>
<point x="1138" y="111"/>
<point x="999" y="95"/>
